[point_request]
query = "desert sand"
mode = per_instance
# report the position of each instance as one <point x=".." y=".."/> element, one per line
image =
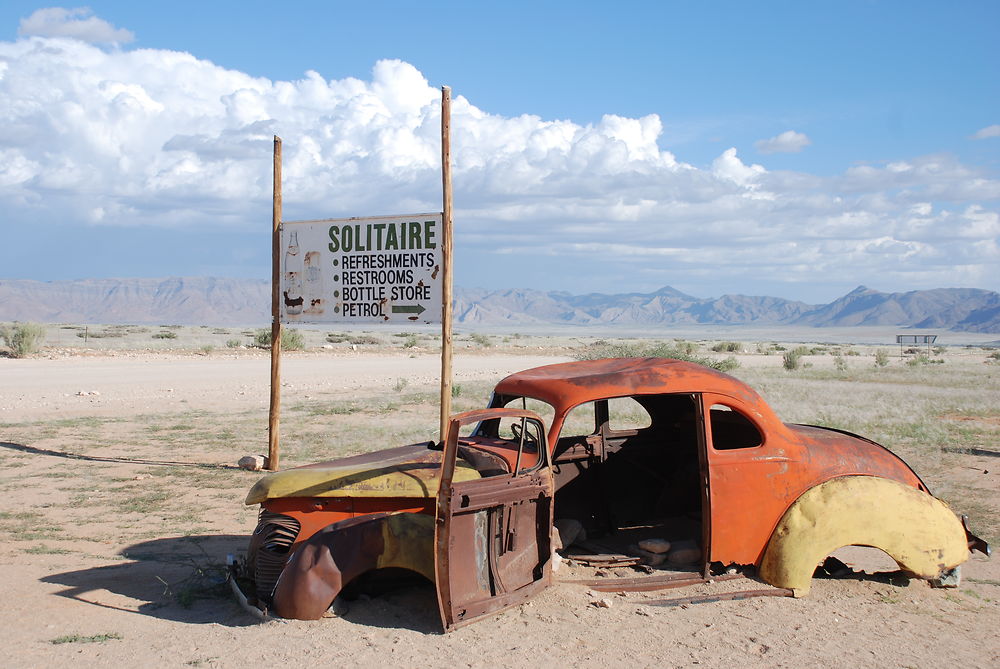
<point x="121" y="503"/>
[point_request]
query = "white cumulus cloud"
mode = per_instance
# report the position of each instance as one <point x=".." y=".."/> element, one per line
<point x="787" y="142"/>
<point x="987" y="132"/>
<point x="163" y="139"/>
<point x="78" y="23"/>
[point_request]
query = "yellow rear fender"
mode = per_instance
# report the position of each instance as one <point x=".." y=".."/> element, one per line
<point x="919" y="531"/>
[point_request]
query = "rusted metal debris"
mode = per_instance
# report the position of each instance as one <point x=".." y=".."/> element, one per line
<point x="649" y="583"/>
<point x="721" y="597"/>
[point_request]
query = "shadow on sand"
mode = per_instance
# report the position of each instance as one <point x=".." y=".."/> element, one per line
<point x="174" y="578"/>
<point x="94" y="458"/>
<point x="183" y="579"/>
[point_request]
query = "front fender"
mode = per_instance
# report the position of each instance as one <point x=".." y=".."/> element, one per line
<point x="916" y="529"/>
<point x="336" y="555"/>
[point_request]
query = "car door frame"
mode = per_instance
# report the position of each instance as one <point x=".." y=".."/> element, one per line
<point x="477" y="522"/>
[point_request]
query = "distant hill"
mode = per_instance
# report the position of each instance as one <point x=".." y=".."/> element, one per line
<point x="211" y="301"/>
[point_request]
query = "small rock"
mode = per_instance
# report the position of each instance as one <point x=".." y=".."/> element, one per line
<point x="141" y="477"/>
<point x="253" y="463"/>
<point x="603" y="603"/>
<point x="684" y="552"/>
<point x="651" y="559"/>
<point x="570" y="531"/>
<point x="655" y="545"/>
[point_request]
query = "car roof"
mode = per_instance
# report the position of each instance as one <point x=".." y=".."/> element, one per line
<point x="568" y="384"/>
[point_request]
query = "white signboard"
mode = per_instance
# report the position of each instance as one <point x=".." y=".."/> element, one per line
<point x="382" y="269"/>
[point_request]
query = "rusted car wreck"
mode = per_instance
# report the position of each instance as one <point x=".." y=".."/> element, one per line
<point x="637" y="448"/>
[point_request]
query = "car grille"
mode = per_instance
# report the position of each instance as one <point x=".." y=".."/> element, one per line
<point x="268" y="551"/>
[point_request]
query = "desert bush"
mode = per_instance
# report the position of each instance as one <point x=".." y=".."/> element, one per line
<point x="411" y="341"/>
<point x="661" y="350"/>
<point x="233" y="343"/>
<point x="158" y="335"/>
<point x="481" y="339"/>
<point x="728" y="347"/>
<point x="881" y="358"/>
<point x="924" y="360"/>
<point x="687" y="347"/>
<point x="362" y="340"/>
<point x="22" y="338"/>
<point x="291" y="340"/>
<point x="993" y="358"/>
<point x="207" y="348"/>
<point x="400" y="384"/>
<point x="839" y="364"/>
<point x="101" y="334"/>
<point x="791" y="360"/>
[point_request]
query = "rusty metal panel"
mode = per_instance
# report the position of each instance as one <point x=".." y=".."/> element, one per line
<point x="492" y="535"/>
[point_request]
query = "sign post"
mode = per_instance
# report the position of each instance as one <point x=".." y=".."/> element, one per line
<point x="382" y="269"/>
<point x="446" y="250"/>
<point x="274" y="411"/>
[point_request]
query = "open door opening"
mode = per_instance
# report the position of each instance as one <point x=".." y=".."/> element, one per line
<point x="631" y="469"/>
<point x="492" y="534"/>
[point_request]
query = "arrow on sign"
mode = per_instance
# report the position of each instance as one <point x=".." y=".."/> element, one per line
<point x="408" y="309"/>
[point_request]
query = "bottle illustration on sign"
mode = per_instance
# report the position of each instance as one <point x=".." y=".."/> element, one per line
<point x="314" y="284"/>
<point x="293" y="277"/>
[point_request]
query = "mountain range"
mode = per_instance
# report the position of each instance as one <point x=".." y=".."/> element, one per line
<point x="222" y="301"/>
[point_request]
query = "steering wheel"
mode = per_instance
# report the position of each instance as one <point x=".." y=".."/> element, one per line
<point x="516" y="430"/>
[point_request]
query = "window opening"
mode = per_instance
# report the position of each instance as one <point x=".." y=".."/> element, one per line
<point x="731" y="430"/>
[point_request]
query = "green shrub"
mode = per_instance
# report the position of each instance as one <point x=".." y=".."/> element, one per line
<point x="881" y="358"/>
<point x="233" y="343"/>
<point x="411" y="341"/>
<point x="400" y="384"/>
<point x="363" y="340"/>
<point x="22" y="338"/>
<point x="291" y="340"/>
<point x="160" y="335"/>
<point x="481" y="339"/>
<point x="840" y="364"/>
<point x="791" y="360"/>
<point x="728" y="347"/>
<point x="100" y="334"/>
<point x="924" y="360"/>
<point x="661" y="350"/>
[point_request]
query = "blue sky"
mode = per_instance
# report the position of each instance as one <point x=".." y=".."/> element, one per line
<point x="791" y="149"/>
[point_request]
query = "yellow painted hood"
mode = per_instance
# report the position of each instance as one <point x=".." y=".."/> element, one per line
<point x="408" y="471"/>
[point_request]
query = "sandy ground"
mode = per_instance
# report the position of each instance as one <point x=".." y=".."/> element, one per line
<point x="98" y="548"/>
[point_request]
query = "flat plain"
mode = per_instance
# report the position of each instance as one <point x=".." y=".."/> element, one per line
<point x="122" y="499"/>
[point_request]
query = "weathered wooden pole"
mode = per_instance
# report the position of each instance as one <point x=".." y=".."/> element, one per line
<point x="446" y="260"/>
<point x="275" y="409"/>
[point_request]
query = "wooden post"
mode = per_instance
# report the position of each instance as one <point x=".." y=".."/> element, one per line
<point x="275" y="409"/>
<point x="446" y="263"/>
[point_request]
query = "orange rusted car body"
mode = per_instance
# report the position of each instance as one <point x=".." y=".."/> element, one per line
<point x="700" y="450"/>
